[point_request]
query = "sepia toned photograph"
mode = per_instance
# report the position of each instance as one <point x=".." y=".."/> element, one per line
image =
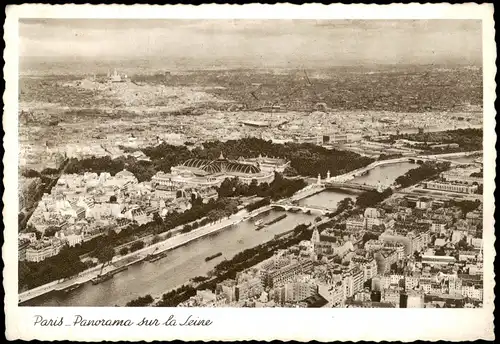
<point x="282" y="172"/>
<point x="251" y="163"/>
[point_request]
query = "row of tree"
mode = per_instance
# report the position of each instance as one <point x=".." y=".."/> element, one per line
<point x="176" y="296"/>
<point x="467" y="139"/>
<point x="372" y="197"/>
<point x="279" y="188"/>
<point x="258" y="204"/>
<point x="466" y="206"/>
<point x="425" y="171"/>
<point x="254" y="255"/>
<point x="141" y="301"/>
<point x="143" y="170"/>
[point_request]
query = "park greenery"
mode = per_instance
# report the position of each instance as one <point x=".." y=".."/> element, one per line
<point x="305" y="159"/>
<point x="368" y="236"/>
<point x="64" y="265"/>
<point x="467" y="139"/>
<point x="136" y="245"/>
<point x="176" y="296"/>
<point x="466" y="206"/>
<point x="258" y="204"/>
<point x="279" y="188"/>
<point x="43" y="183"/>
<point x="252" y="256"/>
<point x="477" y="174"/>
<point x="141" y="301"/>
<point x="372" y="197"/>
<point x="104" y="253"/>
<point x="343" y="205"/>
<point x="198" y="279"/>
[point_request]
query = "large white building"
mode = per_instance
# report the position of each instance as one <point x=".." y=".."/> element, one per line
<point x="461" y="188"/>
<point x="295" y="291"/>
<point x="43" y="249"/>
<point x="353" y="282"/>
<point x="437" y="260"/>
<point x="200" y="173"/>
<point x="376" y="217"/>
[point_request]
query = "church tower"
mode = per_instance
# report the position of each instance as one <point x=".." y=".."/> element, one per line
<point x="315" y="236"/>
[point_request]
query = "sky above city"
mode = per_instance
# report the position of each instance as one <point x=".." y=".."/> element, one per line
<point x="272" y="42"/>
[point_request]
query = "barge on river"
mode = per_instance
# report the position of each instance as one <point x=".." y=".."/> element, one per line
<point x="154" y="257"/>
<point x="279" y="218"/>
<point x="120" y="269"/>
<point x="102" y="278"/>
<point x="209" y="258"/>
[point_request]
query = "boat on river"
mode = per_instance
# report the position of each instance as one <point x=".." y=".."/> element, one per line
<point x="102" y="278"/>
<point x="154" y="257"/>
<point x="120" y="269"/>
<point x="209" y="258"/>
<point x="279" y="218"/>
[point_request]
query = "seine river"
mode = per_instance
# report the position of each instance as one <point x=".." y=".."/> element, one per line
<point x="186" y="262"/>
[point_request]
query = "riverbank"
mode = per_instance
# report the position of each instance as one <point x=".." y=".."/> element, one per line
<point x="229" y="268"/>
<point x="139" y="255"/>
<point x="179" y="265"/>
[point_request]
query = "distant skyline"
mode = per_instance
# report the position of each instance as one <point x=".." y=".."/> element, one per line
<point x="256" y="42"/>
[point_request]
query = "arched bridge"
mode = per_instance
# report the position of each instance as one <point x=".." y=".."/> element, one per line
<point x="349" y="185"/>
<point x="303" y="208"/>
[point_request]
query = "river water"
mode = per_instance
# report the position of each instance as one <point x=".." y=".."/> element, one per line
<point x="385" y="174"/>
<point x="188" y="261"/>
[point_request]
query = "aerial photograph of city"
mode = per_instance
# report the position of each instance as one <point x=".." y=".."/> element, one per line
<point x="250" y="163"/>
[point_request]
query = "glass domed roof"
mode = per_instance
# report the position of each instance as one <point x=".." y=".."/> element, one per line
<point x="219" y="166"/>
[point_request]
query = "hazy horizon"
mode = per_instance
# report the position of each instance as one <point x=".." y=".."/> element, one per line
<point x="253" y="43"/>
